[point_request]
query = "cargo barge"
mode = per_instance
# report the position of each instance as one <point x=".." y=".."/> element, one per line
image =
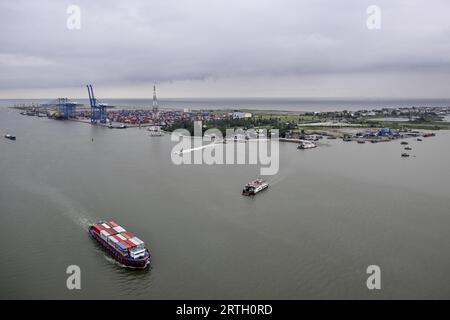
<point x="123" y="246"/>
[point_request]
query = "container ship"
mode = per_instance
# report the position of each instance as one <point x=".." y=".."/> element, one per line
<point x="124" y="246"/>
<point x="253" y="187"/>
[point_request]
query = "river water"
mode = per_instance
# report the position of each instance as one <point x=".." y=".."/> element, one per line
<point x="329" y="213"/>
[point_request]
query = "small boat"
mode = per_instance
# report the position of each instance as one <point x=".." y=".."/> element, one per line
<point x="404" y="142"/>
<point x="418" y="139"/>
<point x="253" y="187"/>
<point x="306" y="145"/>
<point x="374" y="141"/>
<point x="405" y="154"/>
<point x="427" y="135"/>
<point x="361" y="141"/>
<point x="331" y="137"/>
<point x="10" y="136"/>
<point x="408" y="148"/>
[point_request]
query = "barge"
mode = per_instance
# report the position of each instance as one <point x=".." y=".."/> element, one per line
<point x="123" y="246"/>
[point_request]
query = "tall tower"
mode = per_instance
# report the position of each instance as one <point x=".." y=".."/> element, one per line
<point x="155" y="103"/>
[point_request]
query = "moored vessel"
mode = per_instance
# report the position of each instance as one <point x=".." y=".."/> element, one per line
<point x="306" y="145"/>
<point x="405" y="155"/>
<point x="123" y="246"/>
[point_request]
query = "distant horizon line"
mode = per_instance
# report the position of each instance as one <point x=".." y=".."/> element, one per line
<point x="251" y="98"/>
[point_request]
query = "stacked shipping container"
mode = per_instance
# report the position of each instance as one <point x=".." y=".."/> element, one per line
<point x="118" y="237"/>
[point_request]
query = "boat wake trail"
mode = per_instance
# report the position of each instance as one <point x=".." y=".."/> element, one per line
<point x="280" y="176"/>
<point x="64" y="205"/>
<point x="114" y="261"/>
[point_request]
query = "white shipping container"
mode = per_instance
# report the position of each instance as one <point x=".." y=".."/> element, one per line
<point x="134" y="241"/>
<point x="121" y="237"/>
<point x="119" y="229"/>
<point x="137" y="241"/>
<point x="106" y="226"/>
<point x="112" y="239"/>
<point x="104" y="234"/>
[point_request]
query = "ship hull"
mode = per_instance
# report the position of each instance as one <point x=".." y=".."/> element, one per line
<point x="125" y="260"/>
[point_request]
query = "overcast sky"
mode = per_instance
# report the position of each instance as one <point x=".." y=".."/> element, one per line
<point x="215" y="48"/>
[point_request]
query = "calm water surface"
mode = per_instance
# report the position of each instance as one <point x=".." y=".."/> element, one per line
<point x="329" y="213"/>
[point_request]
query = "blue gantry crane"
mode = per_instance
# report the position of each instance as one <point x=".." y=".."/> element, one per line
<point x="98" y="109"/>
<point x="66" y="108"/>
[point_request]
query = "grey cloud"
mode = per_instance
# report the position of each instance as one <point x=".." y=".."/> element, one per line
<point x="128" y="42"/>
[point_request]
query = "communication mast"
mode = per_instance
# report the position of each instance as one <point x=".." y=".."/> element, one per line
<point x="155" y="108"/>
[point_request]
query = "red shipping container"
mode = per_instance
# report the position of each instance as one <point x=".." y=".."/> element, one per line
<point x="110" y="231"/>
<point x="126" y="244"/>
<point x="127" y="235"/>
<point x="117" y="238"/>
<point x="98" y="227"/>
<point x="132" y="245"/>
<point x="112" y="224"/>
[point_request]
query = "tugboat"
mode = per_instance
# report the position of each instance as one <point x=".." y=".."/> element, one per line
<point x="253" y="187"/>
<point x="306" y="145"/>
<point x="10" y="136"/>
<point x="123" y="246"/>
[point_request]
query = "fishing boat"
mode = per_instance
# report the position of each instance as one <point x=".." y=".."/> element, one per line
<point x="253" y="187"/>
<point x="123" y="246"/>
<point x="10" y="136"/>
